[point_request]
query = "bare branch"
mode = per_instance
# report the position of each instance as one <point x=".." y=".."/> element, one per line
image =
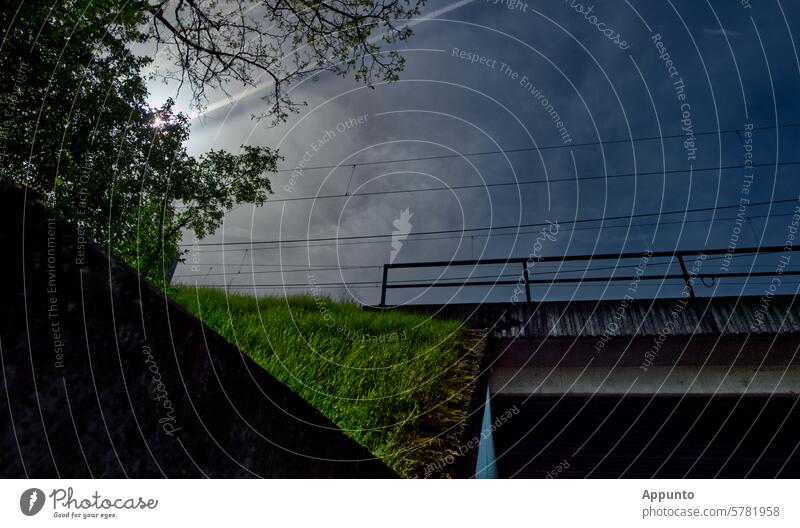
<point x="215" y="43"/>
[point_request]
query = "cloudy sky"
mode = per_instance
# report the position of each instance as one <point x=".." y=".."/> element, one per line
<point x="525" y="113"/>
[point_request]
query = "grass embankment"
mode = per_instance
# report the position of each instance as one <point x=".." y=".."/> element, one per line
<point x="398" y="383"/>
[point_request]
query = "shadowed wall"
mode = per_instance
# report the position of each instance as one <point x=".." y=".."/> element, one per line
<point x="103" y="376"/>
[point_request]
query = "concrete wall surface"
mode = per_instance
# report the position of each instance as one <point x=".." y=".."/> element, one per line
<point x="103" y="376"/>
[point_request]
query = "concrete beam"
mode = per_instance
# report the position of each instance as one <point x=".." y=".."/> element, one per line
<point x="656" y="380"/>
<point x="738" y="350"/>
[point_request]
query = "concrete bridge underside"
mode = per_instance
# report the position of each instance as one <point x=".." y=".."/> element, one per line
<point x="661" y="388"/>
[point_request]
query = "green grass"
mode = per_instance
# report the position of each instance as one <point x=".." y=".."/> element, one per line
<point x="398" y="383"/>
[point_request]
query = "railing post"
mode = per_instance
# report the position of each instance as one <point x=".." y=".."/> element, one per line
<point x="383" y="285"/>
<point x="686" y="279"/>
<point x="527" y="282"/>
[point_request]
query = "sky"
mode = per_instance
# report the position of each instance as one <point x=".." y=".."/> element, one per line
<point x="615" y="110"/>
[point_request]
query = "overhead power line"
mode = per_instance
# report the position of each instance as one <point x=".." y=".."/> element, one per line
<point x="287" y="270"/>
<point x="535" y="148"/>
<point x="501" y="275"/>
<point x="528" y="182"/>
<point x="476" y="229"/>
<point x="575" y="284"/>
<point x="452" y="237"/>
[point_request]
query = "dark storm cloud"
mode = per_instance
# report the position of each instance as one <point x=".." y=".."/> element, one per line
<point x="510" y="75"/>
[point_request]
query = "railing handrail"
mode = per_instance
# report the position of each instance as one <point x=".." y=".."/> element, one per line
<point x="595" y="256"/>
<point x="677" y="255"/>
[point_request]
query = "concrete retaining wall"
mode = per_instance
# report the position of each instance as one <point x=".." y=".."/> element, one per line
<point x="105" y="377"/>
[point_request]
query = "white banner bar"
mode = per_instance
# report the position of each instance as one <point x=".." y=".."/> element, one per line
<point x="138" y="503"/>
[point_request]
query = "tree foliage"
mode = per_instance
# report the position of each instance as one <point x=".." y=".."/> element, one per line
<point x="76" y="126"/>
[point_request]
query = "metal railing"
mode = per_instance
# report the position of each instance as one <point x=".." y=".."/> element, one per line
<point x="678" y="257"/>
